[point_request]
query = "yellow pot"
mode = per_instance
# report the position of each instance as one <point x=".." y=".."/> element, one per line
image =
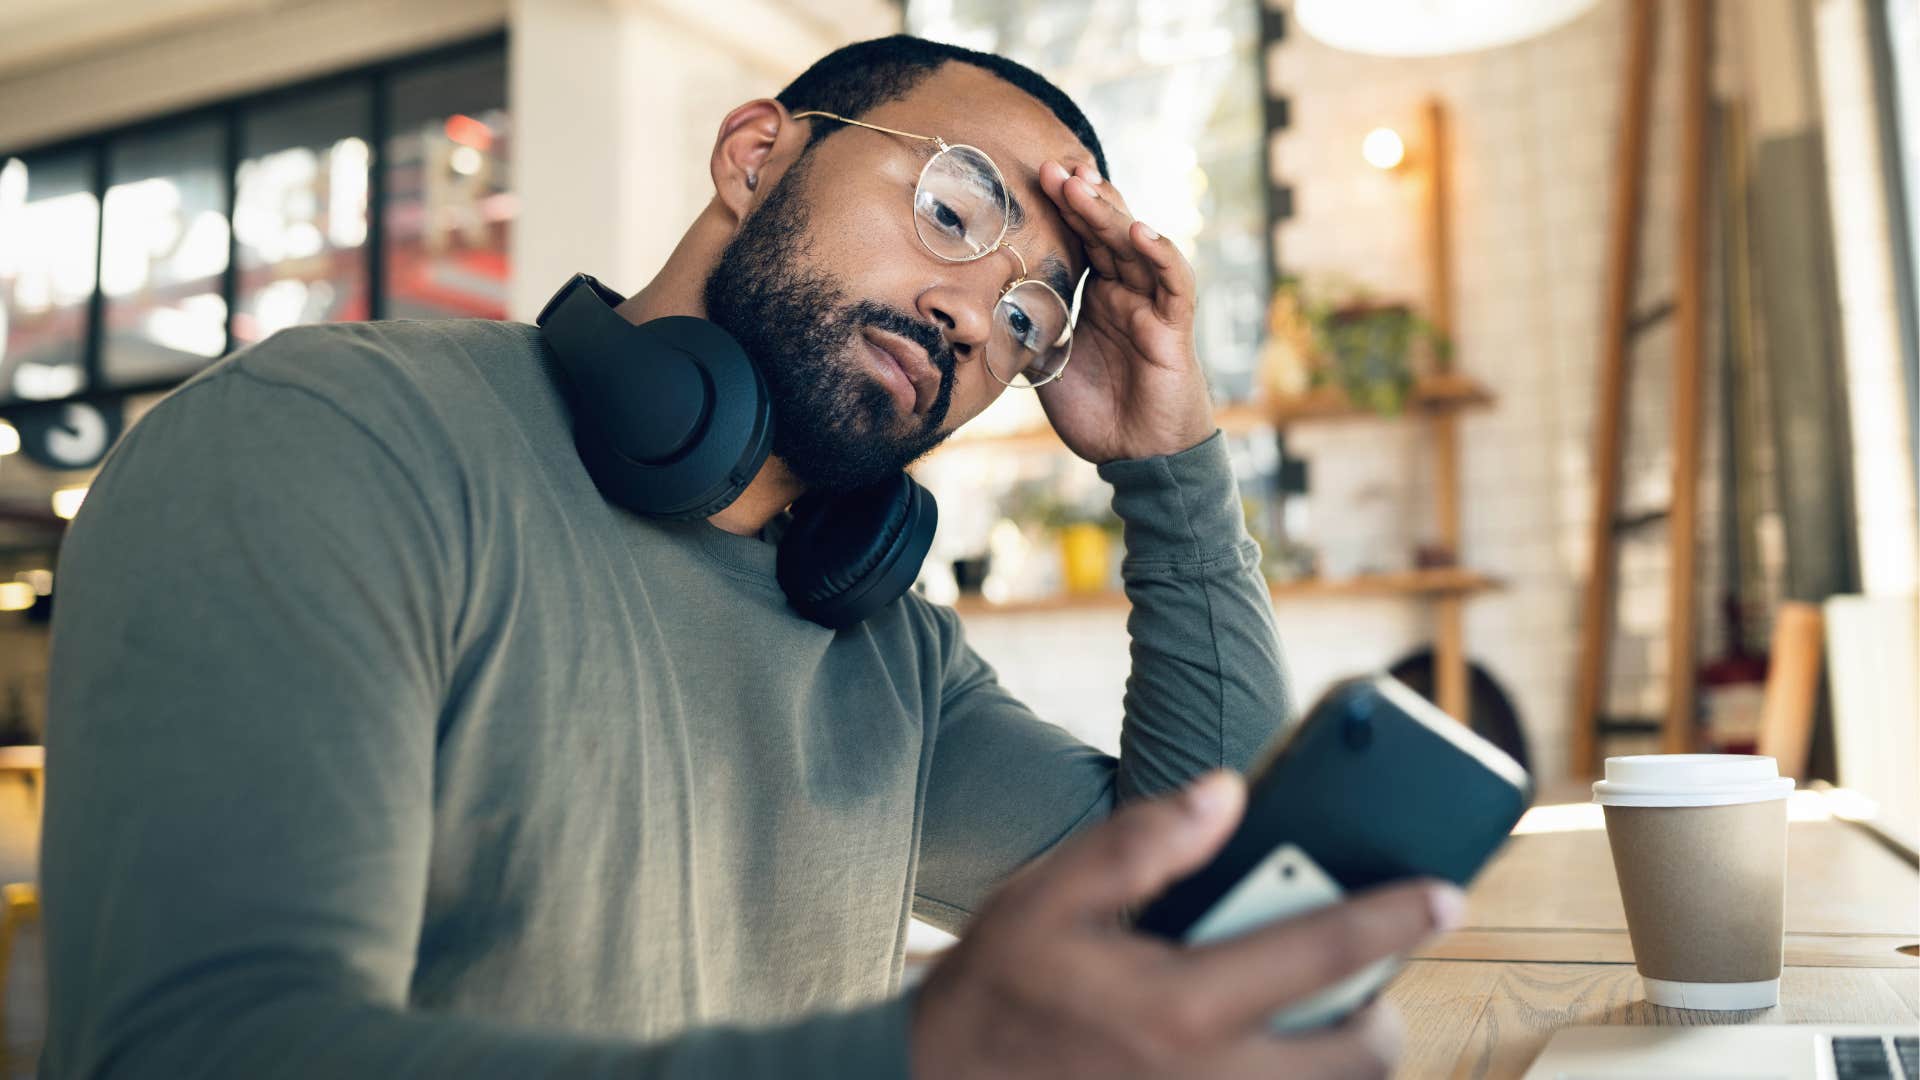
<point x="1085" y="551"/>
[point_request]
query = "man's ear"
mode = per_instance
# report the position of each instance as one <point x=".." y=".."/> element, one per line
<point x="743" y="151"/>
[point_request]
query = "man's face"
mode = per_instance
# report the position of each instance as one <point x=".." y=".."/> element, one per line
<point x="827" y="271"/>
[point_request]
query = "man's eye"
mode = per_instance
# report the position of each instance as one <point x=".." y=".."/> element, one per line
<point x="940" y="215"/>
<point x="1019" y="325"/>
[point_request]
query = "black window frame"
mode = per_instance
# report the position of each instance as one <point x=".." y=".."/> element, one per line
<point x="228" y="113"/>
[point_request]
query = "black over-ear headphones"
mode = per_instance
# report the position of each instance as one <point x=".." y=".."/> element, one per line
<point x="672" y="420"/>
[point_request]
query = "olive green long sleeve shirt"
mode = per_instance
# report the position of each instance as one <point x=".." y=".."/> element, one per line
<point x="380" y="745"/>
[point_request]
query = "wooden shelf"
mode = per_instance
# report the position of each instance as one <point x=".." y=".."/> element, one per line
<point x="1432" y="394"/>
<point x="1439" y="581"/>
<point x="1444" y="581"/>
<point x="1237" y="419"/>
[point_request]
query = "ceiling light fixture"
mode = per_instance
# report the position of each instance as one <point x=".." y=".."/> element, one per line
<point x="1430" y="27"/>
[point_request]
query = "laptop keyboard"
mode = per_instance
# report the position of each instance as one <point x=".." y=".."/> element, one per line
<point x="1866" y="1058"/>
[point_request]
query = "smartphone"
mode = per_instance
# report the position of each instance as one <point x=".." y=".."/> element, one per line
<point x="1376" y="785"/>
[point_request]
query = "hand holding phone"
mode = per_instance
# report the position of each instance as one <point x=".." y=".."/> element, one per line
<point x="1049" y="980"/>
<point x="1376" y="785"/>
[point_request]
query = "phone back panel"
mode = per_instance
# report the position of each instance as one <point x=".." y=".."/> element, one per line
<point x="1375" y="785"/>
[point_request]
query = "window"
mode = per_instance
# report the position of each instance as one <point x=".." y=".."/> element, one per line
<point x="130" y="259"/>
<point x="49" y="233"/>
<point x="163" y="254"/>
<point x="448" y="205"/>
<point x="300" y="213"/>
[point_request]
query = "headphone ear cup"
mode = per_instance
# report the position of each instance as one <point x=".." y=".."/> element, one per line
<point x="847" y="556"/>
<point x="671" y="417"/>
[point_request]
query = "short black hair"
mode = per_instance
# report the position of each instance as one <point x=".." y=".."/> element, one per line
<point x="867" y="74"/>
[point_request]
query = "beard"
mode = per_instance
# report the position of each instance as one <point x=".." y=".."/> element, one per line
<point x="834" y="425"/>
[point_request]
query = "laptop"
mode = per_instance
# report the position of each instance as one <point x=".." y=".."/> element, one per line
<point x="1734" y="1052"/>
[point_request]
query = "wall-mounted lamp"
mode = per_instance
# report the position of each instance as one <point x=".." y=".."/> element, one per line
<point x="1383" y="148"/>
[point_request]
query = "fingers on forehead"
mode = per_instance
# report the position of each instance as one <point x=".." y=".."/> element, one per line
<point x="1059" y="232"/>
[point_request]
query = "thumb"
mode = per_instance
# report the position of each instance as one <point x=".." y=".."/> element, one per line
<point x="1144" y="847"/>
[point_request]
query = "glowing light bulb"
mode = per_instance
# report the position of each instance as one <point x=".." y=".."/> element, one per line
<point x="1383" y="149"/>
<point x="9" y="439"/>
<point x="66" y="501"/>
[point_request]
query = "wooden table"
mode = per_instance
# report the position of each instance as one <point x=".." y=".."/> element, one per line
<point x="1545" y="945"/>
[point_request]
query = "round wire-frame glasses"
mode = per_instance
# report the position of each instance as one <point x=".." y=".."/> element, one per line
<point x="962" y="212"/>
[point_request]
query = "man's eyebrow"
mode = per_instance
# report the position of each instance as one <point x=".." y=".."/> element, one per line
<point x="1053" y="271"/>
<point x="1016" y="214"/>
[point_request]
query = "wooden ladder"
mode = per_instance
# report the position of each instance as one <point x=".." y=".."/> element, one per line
<point x="1621" y="326"/>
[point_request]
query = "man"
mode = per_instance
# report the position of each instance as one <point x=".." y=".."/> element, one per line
<point x="382" y="745"/>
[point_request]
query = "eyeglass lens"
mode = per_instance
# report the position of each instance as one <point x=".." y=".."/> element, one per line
<point x="960" y="212"/>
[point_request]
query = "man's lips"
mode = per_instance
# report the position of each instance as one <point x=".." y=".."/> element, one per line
<point x="914" y="380"/>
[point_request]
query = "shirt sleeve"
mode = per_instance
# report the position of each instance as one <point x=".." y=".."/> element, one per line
<point x="1207" y="689"/>
<point x="259" y="615"/>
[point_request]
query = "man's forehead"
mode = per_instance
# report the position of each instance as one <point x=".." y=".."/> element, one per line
<point x="964" y="105"/>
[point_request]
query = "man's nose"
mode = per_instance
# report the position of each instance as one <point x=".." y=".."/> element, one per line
<point x="964" y="315"/>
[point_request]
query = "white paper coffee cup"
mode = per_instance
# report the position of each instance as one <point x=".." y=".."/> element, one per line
<point x="1699" y="848"/>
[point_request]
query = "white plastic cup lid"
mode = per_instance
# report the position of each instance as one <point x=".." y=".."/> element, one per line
<point x="1691" y="780"/>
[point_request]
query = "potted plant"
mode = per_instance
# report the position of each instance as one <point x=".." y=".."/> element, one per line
<point x="1086" y="533"/>
<point x="1341" y="337"/>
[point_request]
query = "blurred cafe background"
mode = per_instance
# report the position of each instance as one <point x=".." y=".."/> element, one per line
<point x="1567" y="348"/>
